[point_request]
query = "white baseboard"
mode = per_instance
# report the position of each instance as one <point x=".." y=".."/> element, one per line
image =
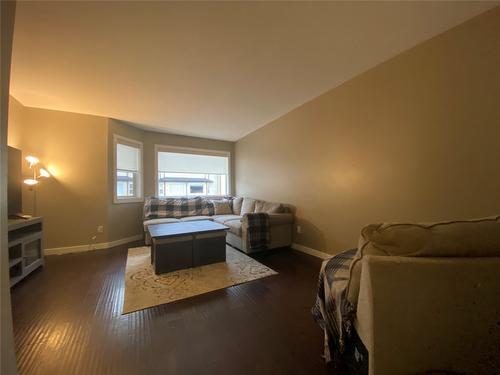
<point x="91" y="247"/>
<point x="310" y="251"/>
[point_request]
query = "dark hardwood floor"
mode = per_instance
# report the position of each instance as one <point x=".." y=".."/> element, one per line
<point x="67" y="320"/>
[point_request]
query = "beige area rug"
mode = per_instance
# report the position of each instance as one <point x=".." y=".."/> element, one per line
<point x="144" y="289"/>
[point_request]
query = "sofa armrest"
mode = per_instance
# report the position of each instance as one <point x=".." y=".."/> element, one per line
<point x="274" y="219"/>
<point x="280" y="219"/>
<point x="420" y="314"/>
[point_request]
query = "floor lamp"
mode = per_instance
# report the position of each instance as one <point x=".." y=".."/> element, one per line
<point x="38" y="173"/>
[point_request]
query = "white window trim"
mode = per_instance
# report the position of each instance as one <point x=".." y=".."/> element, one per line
<point x="199" y="151"/>
<point x="130" y="142"/>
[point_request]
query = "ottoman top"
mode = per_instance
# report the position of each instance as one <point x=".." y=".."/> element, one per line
<point x="187" y="227"/>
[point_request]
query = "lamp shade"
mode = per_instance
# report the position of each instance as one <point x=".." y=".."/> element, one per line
<point x="44" y="173"/>
<point x="32" y="160"/>
<point x="30" y="181"/>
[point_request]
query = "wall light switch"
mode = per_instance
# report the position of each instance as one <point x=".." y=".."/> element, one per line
<point x="299" y="229"/>
<point x="100" y="229"/>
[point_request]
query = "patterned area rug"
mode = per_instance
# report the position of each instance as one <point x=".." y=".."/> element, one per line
<point x="144" y="289"/>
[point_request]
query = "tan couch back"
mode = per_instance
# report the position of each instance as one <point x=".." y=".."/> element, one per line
<point x="459" y="238"/>
<point x="243" y="205"/>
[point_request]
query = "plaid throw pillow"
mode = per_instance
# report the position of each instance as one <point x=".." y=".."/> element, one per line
<point x="155" y="207"/>
<point x="222" y="207"/>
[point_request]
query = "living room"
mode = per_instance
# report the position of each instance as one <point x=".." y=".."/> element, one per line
<point x="181" y="173"/>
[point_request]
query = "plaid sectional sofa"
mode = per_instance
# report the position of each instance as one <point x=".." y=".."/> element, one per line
<point x="250" y="221"/>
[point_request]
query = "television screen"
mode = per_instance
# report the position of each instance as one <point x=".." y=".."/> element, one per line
<point x="15" y="181"/>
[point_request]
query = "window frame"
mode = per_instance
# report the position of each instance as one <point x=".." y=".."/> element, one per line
<point x="118" y="139"/>
<point x="194" y="151"/>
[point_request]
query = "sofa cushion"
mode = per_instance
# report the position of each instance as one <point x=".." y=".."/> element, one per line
<point x="223" y="218"/>
<point x="234" y="227"/>
<point x="459" y="238"/>
<point x="269" y="207"/>
<point x="164" y="220"/>
<point x="196" y="218"/>
<point x="237" y="202"/>
<point x="222" y="207"/>
<point x="248" y="206"/>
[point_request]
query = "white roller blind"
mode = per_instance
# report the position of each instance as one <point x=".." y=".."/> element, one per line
<point x="127" y="157"/>
<point x="191" y="163"/>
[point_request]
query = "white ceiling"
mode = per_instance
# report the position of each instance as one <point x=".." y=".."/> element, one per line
<point x="209" y="69"/>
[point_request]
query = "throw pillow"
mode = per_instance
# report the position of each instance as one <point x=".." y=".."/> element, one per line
<point x="237" y="202"/>
<point x="222" y="207"/>
<point x="268" y="207"/>
<point x="248" y="206"/>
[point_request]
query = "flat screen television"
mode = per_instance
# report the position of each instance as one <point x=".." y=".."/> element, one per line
<point x="15" y="181"/>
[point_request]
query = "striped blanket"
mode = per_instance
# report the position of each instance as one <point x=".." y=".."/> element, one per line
<point x="177" y="207"/>
<point x="332" y="311"/>
<point x="257" y="230"/>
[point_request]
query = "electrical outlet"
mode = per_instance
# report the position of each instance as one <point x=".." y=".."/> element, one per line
<point x="299" y="229"/>
<point x="100" y="229"/>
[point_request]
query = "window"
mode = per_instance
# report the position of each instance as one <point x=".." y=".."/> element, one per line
<point x="184" y="172"/>
<point x="128" y="170"/>
<point x="197" y="189"/>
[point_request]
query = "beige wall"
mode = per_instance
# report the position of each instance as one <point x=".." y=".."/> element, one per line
<point x="73" y="147"/>
<point x="78" y="150"/>
<point x="125" y="219"/>
<point x="416" y="138"/>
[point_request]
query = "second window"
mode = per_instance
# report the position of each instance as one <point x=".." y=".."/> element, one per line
<point x="189" y="173"/>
